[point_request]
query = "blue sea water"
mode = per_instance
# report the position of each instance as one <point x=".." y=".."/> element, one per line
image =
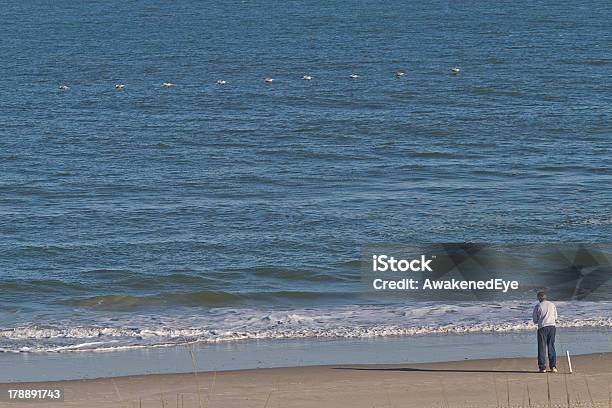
<point x="149" y="216"/>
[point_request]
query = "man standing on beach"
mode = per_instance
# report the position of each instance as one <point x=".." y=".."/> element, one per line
<point x="545" y="315"/>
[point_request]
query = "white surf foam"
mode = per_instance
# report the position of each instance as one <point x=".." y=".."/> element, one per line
<point x="223" y="324"/>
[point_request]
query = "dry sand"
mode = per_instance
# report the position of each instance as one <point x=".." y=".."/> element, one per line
<point x="476" y="383"/>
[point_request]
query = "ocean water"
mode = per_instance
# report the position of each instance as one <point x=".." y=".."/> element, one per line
<point x="152" y="216"/>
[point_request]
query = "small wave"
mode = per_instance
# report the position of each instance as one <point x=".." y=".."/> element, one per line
<point x="109" y="273"/>
<point x="604" y="220"/>
<point x="161" y="146"/>
<point x="184" y="278"/>
<point x="291" y="274"/>
<point x="229" y="324"/>
<point x="123" y="338"/>
<point x="598" y="221"/>
<point x="598" y="62"/>
<point x="486" y="90"/>
<point x="491" y="173"/>
<point x="562" y="168"/>
<point x="40" y="285"/>
<point x="594" y="61"/>
<point x="495" y="61"/>
<point x="435" y="155"/>
<point x="144" y="282"/>
<point x="356" y="263"/>
<point x="256" y="179"/>
<point x="206" y="298"/>
<point x="128" y="302"/>
<point x="120" y="278"/>
<point x="117" y="302"/>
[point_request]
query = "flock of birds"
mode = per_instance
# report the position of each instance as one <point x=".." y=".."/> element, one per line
<point x="268" y="80"/>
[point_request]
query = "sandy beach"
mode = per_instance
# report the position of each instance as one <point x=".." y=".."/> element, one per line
<point x="474" y="383"/>
<point x="305" y="204"/>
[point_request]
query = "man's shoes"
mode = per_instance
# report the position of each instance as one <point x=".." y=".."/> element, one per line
<point x="554" y="370"/>
<point x="542" y="370"/>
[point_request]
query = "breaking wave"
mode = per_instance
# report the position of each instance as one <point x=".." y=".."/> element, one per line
<point x="224" y="325"/>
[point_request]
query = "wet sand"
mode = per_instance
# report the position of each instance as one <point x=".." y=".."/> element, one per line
<point x="474" y="383"/>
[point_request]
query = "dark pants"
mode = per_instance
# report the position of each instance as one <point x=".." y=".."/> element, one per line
<point x="546" y="339"/>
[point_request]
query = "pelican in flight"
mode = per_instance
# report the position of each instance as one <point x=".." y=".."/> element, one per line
<point x="269" y="80"/>
<point x="354" y="76"/>
<point x="167" y="84"/>
<point x="221" y="82"/>
<point x="64" y="87"/>
<point x="307" y="78"/>
<point x="119" y="86"/>
<point x="455" y="70"/>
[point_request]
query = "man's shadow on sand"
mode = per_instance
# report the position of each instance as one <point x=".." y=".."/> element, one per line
<point x="437" y="370"/>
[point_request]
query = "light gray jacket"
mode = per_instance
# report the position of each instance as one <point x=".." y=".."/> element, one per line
<point x="545" y="314"/>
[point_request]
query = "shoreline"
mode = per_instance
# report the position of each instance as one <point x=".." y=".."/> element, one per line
<point x="476" y="383"/>
<point x="22" y="367"/>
